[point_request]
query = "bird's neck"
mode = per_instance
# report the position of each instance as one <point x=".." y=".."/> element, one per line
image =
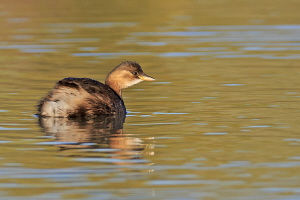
<point x="114" y="85"/>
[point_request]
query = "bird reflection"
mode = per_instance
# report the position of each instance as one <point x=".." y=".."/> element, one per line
<point x="99" y="139"/>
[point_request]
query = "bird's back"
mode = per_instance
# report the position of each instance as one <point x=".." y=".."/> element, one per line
<point x="80" y="97"/>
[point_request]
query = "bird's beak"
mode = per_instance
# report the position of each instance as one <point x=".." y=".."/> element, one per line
<point x="145" y="77"/>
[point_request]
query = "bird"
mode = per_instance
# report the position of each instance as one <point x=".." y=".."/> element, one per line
<point x="85" y="97"/>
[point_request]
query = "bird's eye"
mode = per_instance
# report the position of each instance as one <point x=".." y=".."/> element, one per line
<point x="134" y="73"/>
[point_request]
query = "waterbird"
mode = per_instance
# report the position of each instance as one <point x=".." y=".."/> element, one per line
<point x="85" y="97"/>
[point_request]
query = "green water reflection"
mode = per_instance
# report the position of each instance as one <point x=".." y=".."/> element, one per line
<point x="220" y="122"/>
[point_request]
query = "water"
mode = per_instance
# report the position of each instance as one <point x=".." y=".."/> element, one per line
<point x="220" y="122"/>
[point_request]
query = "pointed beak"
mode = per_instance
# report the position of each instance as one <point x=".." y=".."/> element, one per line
<point x="145" y="77"/>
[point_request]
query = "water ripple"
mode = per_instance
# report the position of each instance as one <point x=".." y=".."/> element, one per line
<point x="12" y="129"/>
<point x="246" y="27"/>
<point x="176" y="33"/>
<point x="216" y="133"/>
<point x="182" y="182"/>
<point x="232" y="84"/>
<point x="162" y="113"/>
<point x="111" y="160"/>
<point x="110" y="54"/>
<point x="91" y="25"/>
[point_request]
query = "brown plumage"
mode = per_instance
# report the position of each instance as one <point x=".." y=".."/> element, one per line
<point x="84" y="97"/>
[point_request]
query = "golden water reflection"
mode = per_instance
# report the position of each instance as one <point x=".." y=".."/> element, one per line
<point x="96" y="140"/>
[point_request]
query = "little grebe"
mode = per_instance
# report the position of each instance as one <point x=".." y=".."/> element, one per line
<point x="84" y="97"/>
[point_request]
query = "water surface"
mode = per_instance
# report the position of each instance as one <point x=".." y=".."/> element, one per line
<point x="220" y="122"/>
